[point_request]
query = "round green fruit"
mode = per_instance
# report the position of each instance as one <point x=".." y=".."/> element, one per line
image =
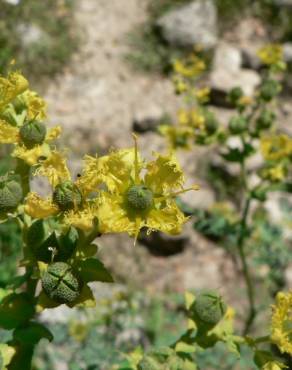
<point x="60" y="283"/>
<point x="148" y="363"/>
<point x="10" y="195"/>
<point x="33" y="133"/>
<point x="237" y="125"/>
<point x="67" y="196"/>
<point x="139" y="198"/>
<point x="209" y="308"/>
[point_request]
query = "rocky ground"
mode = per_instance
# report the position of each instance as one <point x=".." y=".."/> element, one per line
<point x="97" y="99"/>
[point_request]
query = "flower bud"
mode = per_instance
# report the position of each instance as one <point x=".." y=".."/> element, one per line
<point x="67" y="196"/>
<point x="208" y="309"/>
<point x="139" y="198"/>
<point x="211" y="123"/>
<point x="265" y="120"/>
<point x="269" y="90"/>
<point x="33" y="133"/>
<point x="237" y="125"/>
<point x="60" y="283"/>
<point x="10" y="194"/>
<point x="235" y="95"/>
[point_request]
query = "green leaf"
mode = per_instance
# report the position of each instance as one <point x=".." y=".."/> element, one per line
<point x="86" y="251"/>
<point x="32" y="333"/>
<point x="93" y="270"/>
<point x="44" y="302"/>
<point x="6" y="354"/>
<point x="15" y="309"/>
<point x="86" y="299"/>
<point x="184" y="347"/>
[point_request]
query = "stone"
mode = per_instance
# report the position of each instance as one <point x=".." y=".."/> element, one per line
<point x="227" y="57"/>
<point x="31" y="34"/>
<point x="287" y="52"/>
<point x="148" y="119"/>
<point x="283" y="3"/>
<point x="189" y="25"/>
<point x="223" y="80"/>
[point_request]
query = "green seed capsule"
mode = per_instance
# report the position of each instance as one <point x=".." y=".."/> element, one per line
<point x="211" y="123"/>
<point x="208" y="308"/>
<point x="139" y="198"/>
<point x="10" y="194"/>
<point x="237" y="125"/>
<point x="67" y="196"/>
<point x="60" y="283"/>
<point x="33" y="133"/>
<point x="265" y="119"/>
<point x="235" y="94"/>
<point x="269" y="90"/>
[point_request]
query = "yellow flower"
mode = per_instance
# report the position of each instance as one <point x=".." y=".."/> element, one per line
<point x="37" y="207"/>
<point x="274" y="365"/>
<point x="133" y="201"/>
<point x="191" y="67"/>
<point x="271" y="54"/>
<point x="35" y="105"/>
<point x="54" y="168"/>
<point x="193" y="118"/>
<point x="68" y="199"/>
<point x="177" y="136"/>
<point x="276" y="147"/>
<point x="282" y="322"/>
<point x="275" y="173"/>
<point x="11" y="87"/>
<point x="203" y="95"/>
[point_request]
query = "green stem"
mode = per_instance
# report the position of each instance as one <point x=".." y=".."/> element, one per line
<point x="246" y="273"/>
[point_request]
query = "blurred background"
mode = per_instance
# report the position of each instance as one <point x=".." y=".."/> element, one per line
<point x="104" y="67"/>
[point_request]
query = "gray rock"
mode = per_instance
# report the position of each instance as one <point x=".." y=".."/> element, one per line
<point x="287" y="52"/>
<point x="223" y="80"/>
<point x="250" y="59"/>
<point x="227" y="57"/>
<point x="284" y="3"/>
<point x="148" y="119"/>
<point x="31" y="34"/>
<point x="192" y="24"/>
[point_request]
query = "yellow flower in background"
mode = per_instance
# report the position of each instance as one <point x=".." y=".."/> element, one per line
<point x="177" y="136"/>
<point x="282" y="322"/>
<point x="203" y="95"/>
<point x="276" y="147"/>
<point x="11" y="87"/>
<point x="193" y="118"/>
<point x="271" y="54"/>
<point x="190" y="67"/>
<point x="274" y="365"/>
<point x="134" y="201"/>
<point x="275" y="173"/>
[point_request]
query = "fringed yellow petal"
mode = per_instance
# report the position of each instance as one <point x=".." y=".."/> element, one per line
<point x="54" y="168"/>
<point x="167" y="219"/>
<point x="90" y="178"/>
<point x="276" y="147"/>
<point x="53" y="133"/>
<point x="30" y="156"/>
<point x="113" y="217"/>
<point x="37" y="207"/>
<point x="8" y="133"/>
<point x="118" y="169"/>
<point x="81" y="219"/>
<point x="164" y="174"/>
<point x="282" y="322"/>
<point x="36" y="106"/>
<point x="10" y="87"/>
